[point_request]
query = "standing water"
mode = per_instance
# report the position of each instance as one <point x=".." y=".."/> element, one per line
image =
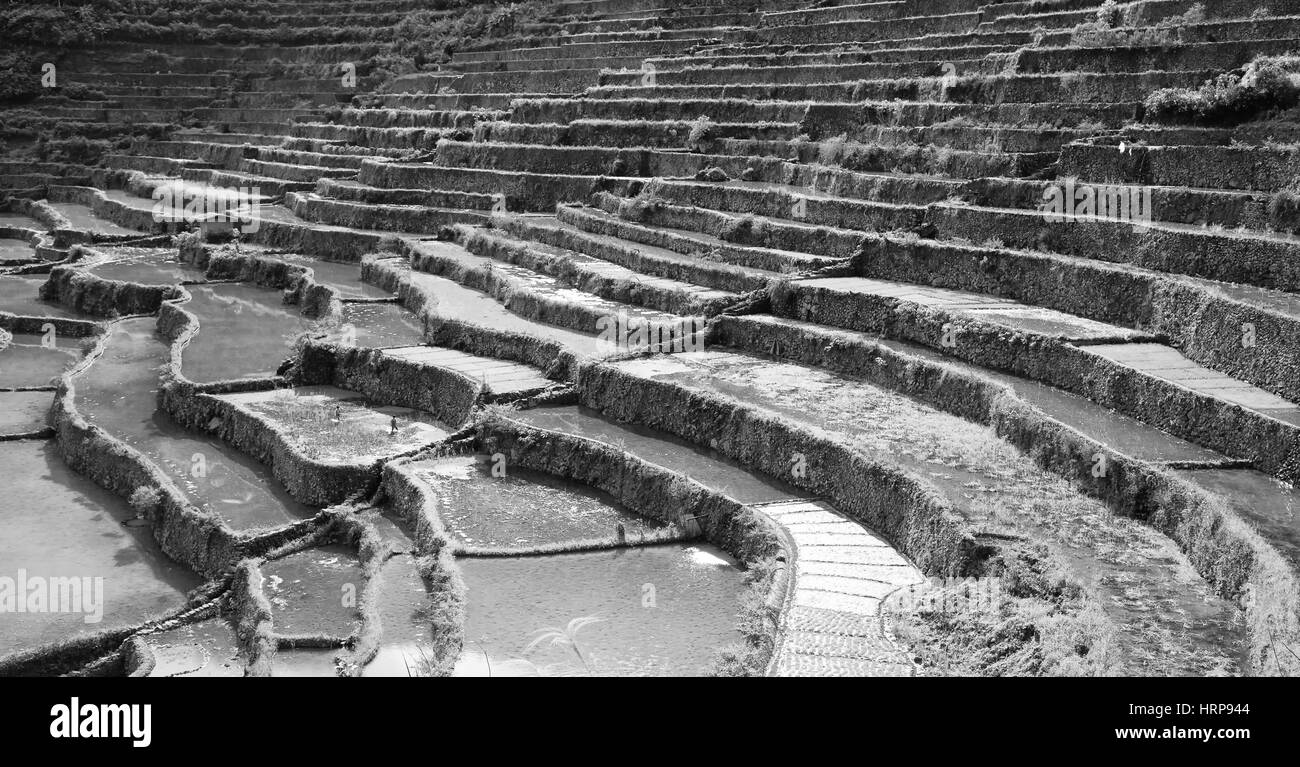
<point x="520" y="509"/>
<point x="58" y="524"/>
<point x="119" y="392"/>
<point x="33" y="360"/>
<point x="21" y="294"/>
<point x="662" y="610"/>
<point x="244" y="332"/>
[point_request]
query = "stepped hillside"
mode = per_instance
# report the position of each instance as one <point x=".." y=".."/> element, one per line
<point x="985" y="305"/>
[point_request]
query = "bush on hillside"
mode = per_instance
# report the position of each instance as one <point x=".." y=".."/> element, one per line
<point x="77" y="150"/>
<point x="19" y="76"/>
<point x="428" y="37"/>
<point x="702" y="134"/>
<point x="1266" y="84"/>
<point x="44" y="30"/>
<point x="1284" y="209"/>
<point x="53" y="25"/>
<point x="81" y="92"/>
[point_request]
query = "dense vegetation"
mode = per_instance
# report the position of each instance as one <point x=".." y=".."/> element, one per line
<point x="1116" y="26"/>
<point x="1267" y="84"/>
<point x="32" y="33"/>
<point x="381" y="43"/>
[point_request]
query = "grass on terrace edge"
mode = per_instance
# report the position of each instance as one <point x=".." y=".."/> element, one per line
<point x="1041" y="623"/>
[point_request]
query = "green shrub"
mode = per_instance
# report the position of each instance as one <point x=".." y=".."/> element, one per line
<point x="745" y="230"/>
<point x="702" y="134"/>
<point x="641" y="208"/>
<point x="1266" y="84"/>
<point x="830" y="151"/>
<point x="1284" y="209"/>
<point x="78" y="150"/>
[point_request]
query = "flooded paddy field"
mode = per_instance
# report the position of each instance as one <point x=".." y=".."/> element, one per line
<point x="523" y="509"/>
<point x="37" y="359"/>
<point x="656" y="611"/>
<point x="244" y="332"/>
<point x="145" y="266"/>
<point x="21" y="294"/>
<point x="59" y="525"/>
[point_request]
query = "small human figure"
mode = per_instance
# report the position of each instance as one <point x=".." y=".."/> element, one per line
<point x="393" y="426"/>
<point x="338" y="413"/>
<point x="621" y="532"/>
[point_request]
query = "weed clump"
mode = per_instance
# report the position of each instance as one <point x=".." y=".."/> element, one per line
<point x="830" y="151"/>
<point x="145" y="501"/>
<point x="744" y="229"/>
<point x="759" y="621"/>
<point x="1039" y="624"/>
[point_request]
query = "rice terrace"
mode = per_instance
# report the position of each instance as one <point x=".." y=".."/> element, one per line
<point x="425" y="338"/>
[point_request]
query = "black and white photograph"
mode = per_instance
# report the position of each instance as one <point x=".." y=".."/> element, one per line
<point x="904" y="342"/>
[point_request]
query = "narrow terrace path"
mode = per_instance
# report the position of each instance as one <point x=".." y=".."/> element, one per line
<point x="843" y="572"/>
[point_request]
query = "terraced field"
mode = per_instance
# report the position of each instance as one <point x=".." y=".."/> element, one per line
<point x="879" y="338"/>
